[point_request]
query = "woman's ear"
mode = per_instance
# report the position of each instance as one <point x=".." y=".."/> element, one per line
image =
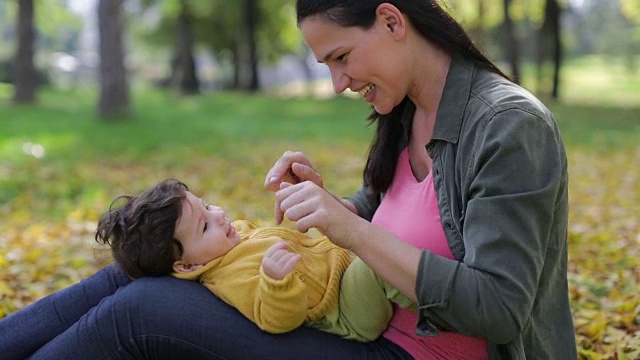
<point x="181" y="267"/>
<point x="392" y="19"/>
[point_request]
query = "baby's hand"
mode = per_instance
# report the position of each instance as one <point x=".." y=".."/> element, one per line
<point x="278" y="261"/>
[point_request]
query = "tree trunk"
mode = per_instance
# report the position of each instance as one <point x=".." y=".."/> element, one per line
<point x="553" y="12"/>
<point x="512" y="43"/>
<point x="25" y="77"/>
<point x="550" y="48"/>
<point x="114" y="89"/>
<point x="235" y="61"/>
<point x="185" y="77"/>
<point x="248" y="51"/>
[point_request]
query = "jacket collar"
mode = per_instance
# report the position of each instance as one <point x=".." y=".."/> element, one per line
<point x="453" y="103"/>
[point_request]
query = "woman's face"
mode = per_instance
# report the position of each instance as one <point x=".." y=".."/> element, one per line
<point x="364" y="61"/>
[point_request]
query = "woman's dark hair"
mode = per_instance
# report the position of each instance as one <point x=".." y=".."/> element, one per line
<point x="432" y="22"/>
<point x="140" y="229"/>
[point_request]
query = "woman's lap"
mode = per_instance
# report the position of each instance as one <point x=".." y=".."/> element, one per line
<point x="156" y="318"/>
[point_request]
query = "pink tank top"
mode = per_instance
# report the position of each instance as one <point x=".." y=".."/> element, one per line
<point x="410" y="211"/>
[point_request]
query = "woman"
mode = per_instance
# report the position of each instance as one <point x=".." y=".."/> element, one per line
<point x="464" y="210"/>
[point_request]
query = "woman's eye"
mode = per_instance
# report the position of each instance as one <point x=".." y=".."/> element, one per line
<point x="342" y="58"/>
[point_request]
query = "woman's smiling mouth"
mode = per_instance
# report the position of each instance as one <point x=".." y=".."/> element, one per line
<point x="366" y="90"/>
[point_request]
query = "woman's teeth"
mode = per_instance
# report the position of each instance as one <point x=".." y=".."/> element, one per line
<point x="366" y="90"/>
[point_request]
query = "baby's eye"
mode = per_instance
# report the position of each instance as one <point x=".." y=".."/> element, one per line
<point x="205" y="227"/>
<point x="342" y="58"/>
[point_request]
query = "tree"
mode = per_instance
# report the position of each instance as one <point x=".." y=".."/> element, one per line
<point x="248" y="49"/>
<point x="240" y="34"/>
<point x="25" y="76"/>
<point x="550" y="44"/>
<point x="513" y="51"/>
<point x="184" y="74"/>
<point x="238" y="31"/>
<point x="114" y="88"/>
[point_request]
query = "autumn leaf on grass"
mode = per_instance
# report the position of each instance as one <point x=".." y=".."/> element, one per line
<point x="592" y="323"/>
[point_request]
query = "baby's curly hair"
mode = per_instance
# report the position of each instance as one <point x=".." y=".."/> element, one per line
<point x="140" y="231"/>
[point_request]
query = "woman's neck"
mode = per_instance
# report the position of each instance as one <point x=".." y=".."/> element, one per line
<point x="430" y="69"/>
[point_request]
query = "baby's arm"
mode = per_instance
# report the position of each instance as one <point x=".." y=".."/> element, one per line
<point x="281" y="303"/>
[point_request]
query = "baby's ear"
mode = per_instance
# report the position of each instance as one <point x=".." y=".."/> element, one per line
<point x="182" y="267"/>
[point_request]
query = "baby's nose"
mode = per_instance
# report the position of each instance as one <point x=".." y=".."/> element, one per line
<point x="219" y="213"/>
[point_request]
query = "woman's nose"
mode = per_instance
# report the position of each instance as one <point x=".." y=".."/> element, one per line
<point x="340" y="80"/>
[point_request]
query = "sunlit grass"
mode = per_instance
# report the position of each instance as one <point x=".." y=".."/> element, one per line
<point x="596" y="80"/>
<point x="6" y="91"/>
<point x="618" y="85"/>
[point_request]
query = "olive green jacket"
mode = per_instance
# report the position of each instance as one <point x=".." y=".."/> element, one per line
<point x="500" y="172"/>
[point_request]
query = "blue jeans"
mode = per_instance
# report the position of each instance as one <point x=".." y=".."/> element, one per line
<point x="160" y="318"/>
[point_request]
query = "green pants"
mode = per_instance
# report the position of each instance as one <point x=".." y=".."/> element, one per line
<point x="364" y="308"/>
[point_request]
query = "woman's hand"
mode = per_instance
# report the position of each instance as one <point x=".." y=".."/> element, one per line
<point x="291" y="168"/>
<point x="278" y="261"/>
<point x="309" y="205"/>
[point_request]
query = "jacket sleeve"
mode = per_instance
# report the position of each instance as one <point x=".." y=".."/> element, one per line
<point x="365" y="201"/>
<point x="514" y="180"/>
<point x="280" y="305"/>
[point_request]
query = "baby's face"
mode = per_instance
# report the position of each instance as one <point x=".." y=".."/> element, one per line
<point x="205" y="233"/>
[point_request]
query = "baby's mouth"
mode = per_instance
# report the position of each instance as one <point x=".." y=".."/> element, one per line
<point x="231" y="230"/>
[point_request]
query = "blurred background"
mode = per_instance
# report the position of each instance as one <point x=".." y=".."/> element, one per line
<point x="254" y="45"/>
<point x="100" y="98"/>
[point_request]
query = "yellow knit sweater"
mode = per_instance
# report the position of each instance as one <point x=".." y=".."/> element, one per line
<point x="306" y="294"/>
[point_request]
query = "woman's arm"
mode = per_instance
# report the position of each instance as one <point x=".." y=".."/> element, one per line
<point x="346" y="222"/>
<point x="311" y="206"/>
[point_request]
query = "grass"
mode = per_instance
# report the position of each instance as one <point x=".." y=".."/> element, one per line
<point x="598" y="127"/>
<point x="165" y="135"/>
<point x="161" y="120"/>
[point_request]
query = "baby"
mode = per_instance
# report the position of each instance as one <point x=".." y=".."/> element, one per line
<point x="276" y="277"/>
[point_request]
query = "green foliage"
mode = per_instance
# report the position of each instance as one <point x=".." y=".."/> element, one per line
<point x="218" y="25"/>
<point x="469" y="13"/>
<point x="631" y="9"/>
<point x="54" y="18"/>
<point x="55" y="24"/>
<point x="490" y="13"/>
<point x="278" y="23"/>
